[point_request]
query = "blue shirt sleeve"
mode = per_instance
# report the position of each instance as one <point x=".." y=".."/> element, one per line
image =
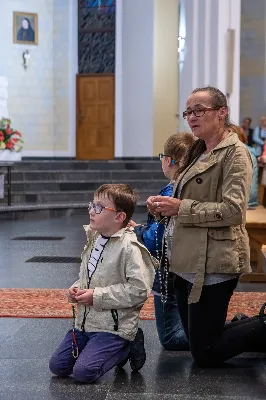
<point x="152" y="234"/>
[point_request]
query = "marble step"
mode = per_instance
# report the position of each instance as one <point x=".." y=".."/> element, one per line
<point x="51" y="210"/>
<point x="95" y="175"/>
<point x="72" y="197"/>
<point x="53" y="186"/>
<point x="50" y="165"/>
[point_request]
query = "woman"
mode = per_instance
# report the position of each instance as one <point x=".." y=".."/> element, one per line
<point x="207" y="243"/>
<point x="26" y="32"/>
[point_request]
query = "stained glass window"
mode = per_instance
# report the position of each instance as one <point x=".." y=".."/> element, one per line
<point x="96" y="36"/>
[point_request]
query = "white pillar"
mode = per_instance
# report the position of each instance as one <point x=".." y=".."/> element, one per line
<point x="206" y="56"/>
<point x="165" y="72"/>
<point x="119" y="79"/>
<point x="146" y="75"/>
<point x="134" y="78"/>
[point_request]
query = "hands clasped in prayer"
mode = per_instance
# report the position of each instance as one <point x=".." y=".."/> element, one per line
<point x="163" y="205"/>
<point x="82" y="296"/>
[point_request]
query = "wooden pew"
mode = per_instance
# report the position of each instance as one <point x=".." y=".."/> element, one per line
<point x="256" y="227"/>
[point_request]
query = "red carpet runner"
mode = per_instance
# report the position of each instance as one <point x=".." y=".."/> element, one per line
<point x="52" y="303"/>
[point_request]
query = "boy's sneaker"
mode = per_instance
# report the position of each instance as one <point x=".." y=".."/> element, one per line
<point x="137" y="353"/>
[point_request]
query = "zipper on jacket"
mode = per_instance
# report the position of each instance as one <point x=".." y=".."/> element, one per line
<point x="115" y="318"/>
<point x="84" y="319"/>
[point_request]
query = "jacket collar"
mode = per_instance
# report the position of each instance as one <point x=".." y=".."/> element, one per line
<point x="210" y="159"/>
<point x="229" y="140"/>
<point x="90" y="232"/>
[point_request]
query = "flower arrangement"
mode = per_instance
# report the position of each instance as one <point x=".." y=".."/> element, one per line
<point x="10" y="139"/>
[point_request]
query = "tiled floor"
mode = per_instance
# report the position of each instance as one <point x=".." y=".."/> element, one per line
<point x="26" y="344"/>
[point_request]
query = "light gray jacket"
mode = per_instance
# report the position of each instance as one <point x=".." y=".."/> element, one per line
<point x="122" y="282"/>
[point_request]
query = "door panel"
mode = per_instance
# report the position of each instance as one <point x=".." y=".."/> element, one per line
<point x="95" y="117"/>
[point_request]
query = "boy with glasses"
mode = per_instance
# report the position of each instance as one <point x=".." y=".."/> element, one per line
<point x="116" y="277"/>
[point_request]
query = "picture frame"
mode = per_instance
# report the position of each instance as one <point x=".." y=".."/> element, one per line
<point x="25" y="28"/>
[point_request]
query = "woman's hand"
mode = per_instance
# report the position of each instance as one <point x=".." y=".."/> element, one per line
<point x="151" y="205"/>
<point x="164" y="205"/>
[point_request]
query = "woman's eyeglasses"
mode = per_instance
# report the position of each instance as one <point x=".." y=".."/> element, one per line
<point x="97" y="208"/>
<point x="198" y="112"/>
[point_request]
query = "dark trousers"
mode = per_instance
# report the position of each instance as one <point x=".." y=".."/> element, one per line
<point x="98" y="353"/>
<point x="211" y="341"/>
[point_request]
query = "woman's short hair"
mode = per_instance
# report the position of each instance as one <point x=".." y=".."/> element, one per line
<point x="218" y="99"/>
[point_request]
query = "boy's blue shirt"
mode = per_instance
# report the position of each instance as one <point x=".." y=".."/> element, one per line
<point x="147" y="233"/>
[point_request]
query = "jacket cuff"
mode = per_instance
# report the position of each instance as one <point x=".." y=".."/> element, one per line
<point x="186" y="216"/>
<point x="97" y="299"/>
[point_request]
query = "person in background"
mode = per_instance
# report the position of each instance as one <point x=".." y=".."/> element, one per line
<point x="253" y="200"/>
<point x="259" y="137"/>
<point x="246" y="125"/>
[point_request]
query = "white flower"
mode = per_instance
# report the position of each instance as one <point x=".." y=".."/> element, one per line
<point x="2" y="145"/>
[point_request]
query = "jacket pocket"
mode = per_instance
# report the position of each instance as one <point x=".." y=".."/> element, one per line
<point x="223" y="251"/>
<point x="223" y="233"/>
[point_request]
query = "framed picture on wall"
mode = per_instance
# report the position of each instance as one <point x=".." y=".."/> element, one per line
<point x="25" y="28"/>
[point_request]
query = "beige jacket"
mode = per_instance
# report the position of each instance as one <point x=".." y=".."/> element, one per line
<point x="122" y="282"/>
<point x="209" y="235"/>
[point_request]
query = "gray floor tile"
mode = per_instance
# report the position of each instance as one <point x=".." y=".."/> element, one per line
<point x="164" y="396"/>
<point x="31" y="379"/>
<point x="36" y="338"/>
<point x="27" y="344"/>
<point x="9" y="327"/>
<point x="180" y="376"/>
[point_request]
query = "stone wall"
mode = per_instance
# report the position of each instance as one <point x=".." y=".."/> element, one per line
<point x="41" y="98"/>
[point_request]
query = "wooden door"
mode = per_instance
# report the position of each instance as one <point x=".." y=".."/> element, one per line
<point x="95" y="117"/>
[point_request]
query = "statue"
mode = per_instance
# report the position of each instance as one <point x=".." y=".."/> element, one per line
<point x="26" y="57"/>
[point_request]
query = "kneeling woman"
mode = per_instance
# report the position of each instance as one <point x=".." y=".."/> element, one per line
<point x="206" y="240"/>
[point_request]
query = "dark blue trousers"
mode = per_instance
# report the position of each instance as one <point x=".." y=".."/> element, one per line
<point x="98" y="353"/>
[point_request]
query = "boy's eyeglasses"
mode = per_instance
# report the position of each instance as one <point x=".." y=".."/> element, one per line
<point x="97" y="208"/>
<point x="198" y="112"/>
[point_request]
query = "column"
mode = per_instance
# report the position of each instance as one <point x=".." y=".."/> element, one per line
<point x="165" y="72"/>
<point x="208" y="57"/>
<point x="146" y="76"/>
<point x="253" y="60"/>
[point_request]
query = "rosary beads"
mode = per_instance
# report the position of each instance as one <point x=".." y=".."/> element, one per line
<point x="163" y="275"/>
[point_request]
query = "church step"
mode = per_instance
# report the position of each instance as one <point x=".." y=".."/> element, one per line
<point x="51" y="186"/>
<point x="62" y="197"/>
<point x="95" y="175"/>
<point x="50" y="165"/>
<point x="52" y="210"/>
